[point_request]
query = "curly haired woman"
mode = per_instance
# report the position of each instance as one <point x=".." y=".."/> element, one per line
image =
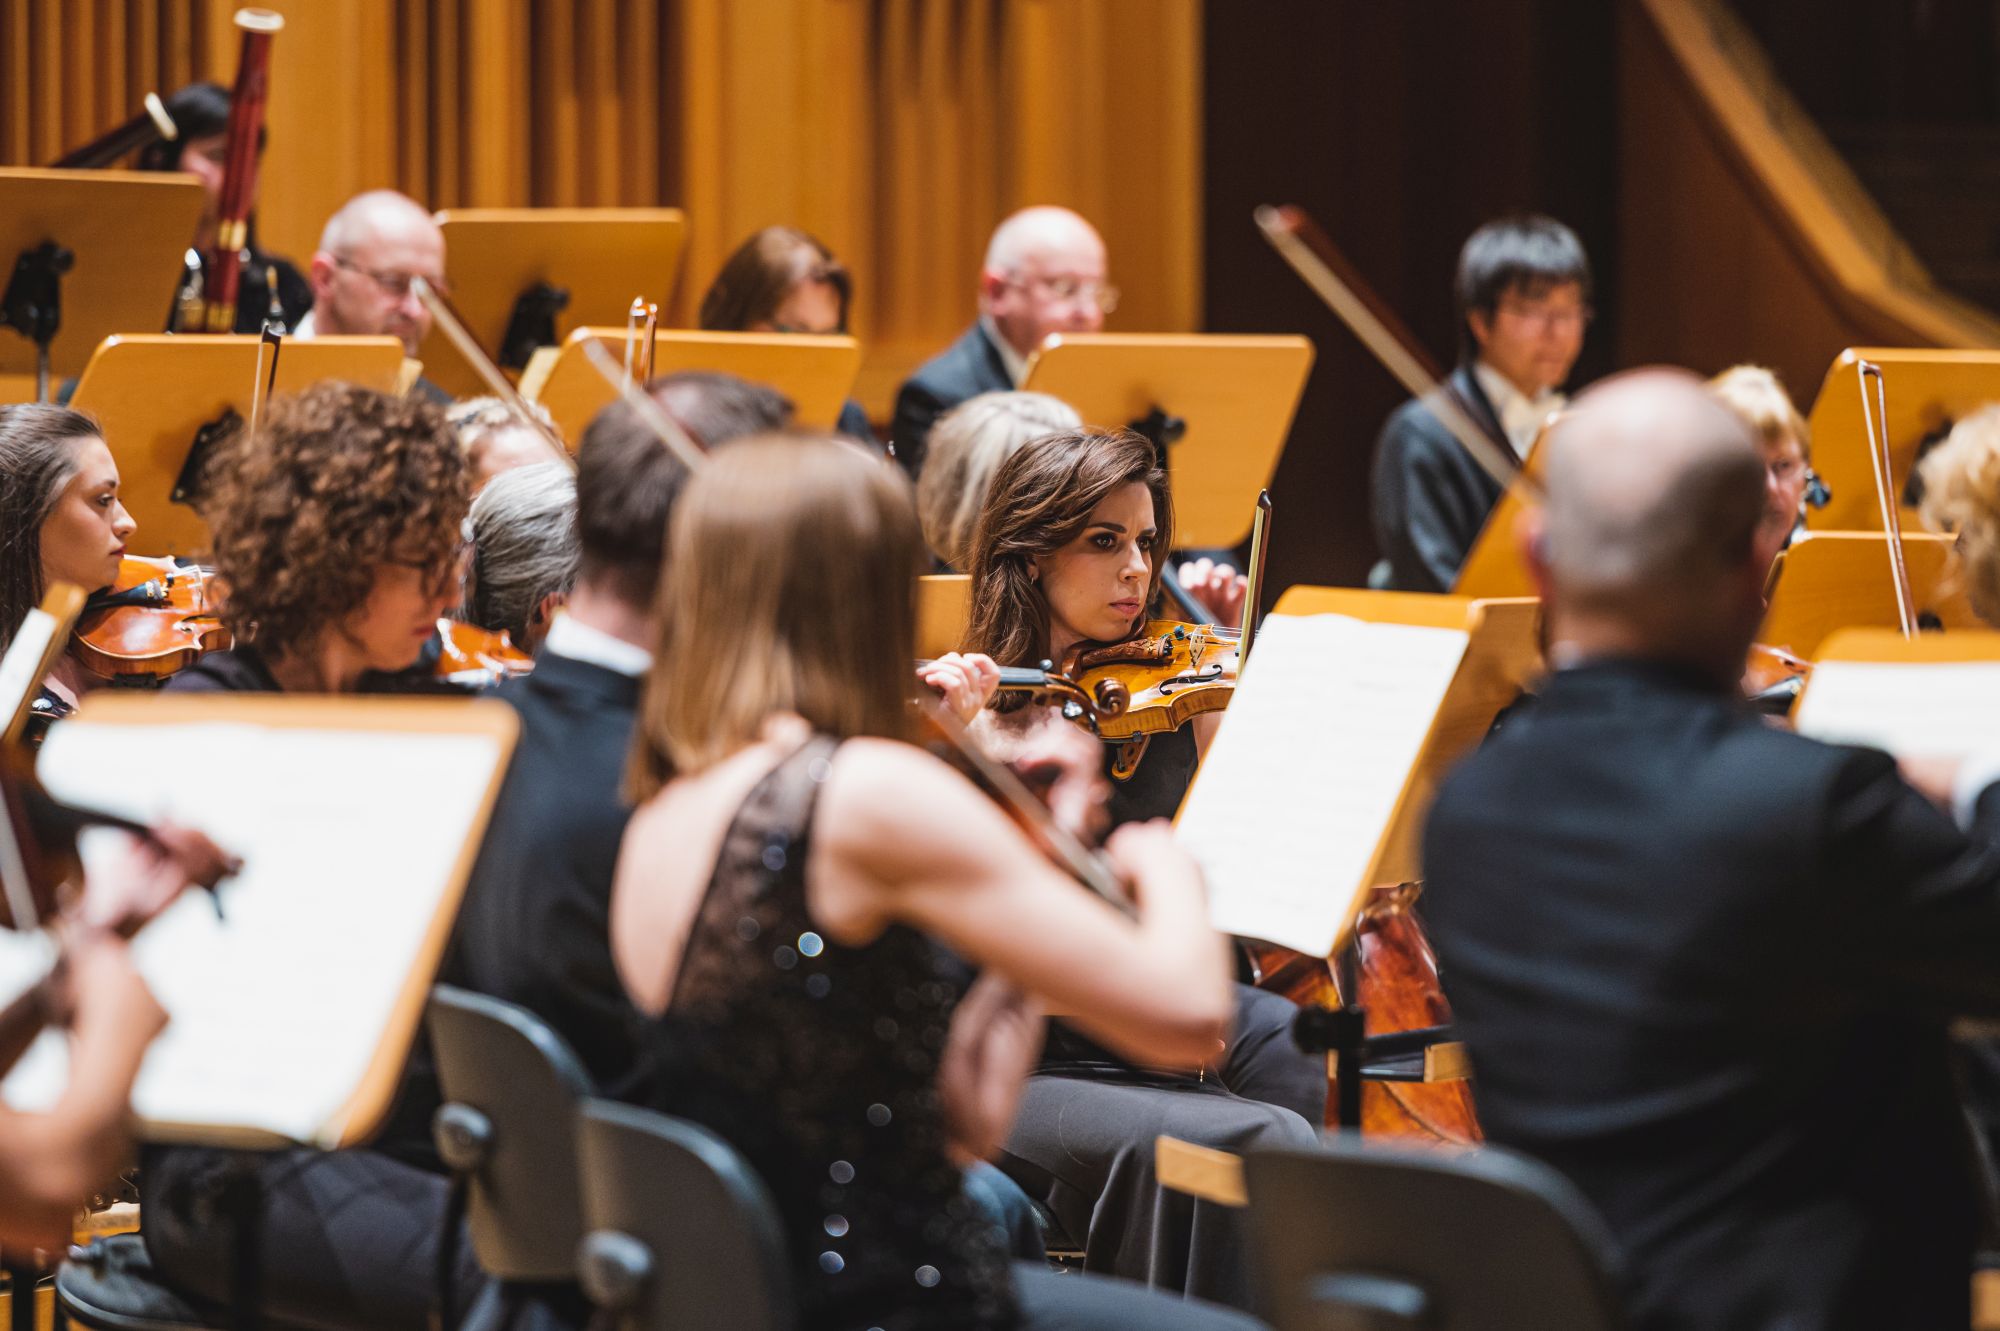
<point x="338" y="535"/>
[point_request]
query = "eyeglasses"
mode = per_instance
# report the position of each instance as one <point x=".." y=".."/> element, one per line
<point x="1070" y="290"/>
<point x="1549" y="316"/>
<point x="392" y="284"/>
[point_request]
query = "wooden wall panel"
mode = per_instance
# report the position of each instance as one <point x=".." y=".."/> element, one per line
<point x="899" y="131"/>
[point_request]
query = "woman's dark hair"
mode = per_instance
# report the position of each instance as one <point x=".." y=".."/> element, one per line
<point x="1040" y="500"/>
<point x="755" y="279"/>
<point x="37" y="459"/>
<point x="198" y="111"/>
<point x="338" y="481"/>
<point x="1528" y="253"/>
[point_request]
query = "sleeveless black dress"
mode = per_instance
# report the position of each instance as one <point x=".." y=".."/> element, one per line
<point x="819" y="1063"/>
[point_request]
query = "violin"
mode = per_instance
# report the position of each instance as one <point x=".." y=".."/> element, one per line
<point x="478" y="657"/>
<point x="1166" y="676"/>
<point x="156" y="620"/>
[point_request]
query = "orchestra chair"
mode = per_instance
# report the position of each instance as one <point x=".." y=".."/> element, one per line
<point x="680" y="1230"/>
<point x="109" y="1285"/>
<point x="507" y="1132"/>
<point x="1358" y="1237"/>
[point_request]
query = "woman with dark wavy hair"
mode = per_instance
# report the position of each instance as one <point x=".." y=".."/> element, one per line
<point x="60" y="521"/>
<point x="1068" y="551"/>
<point x="784" y="280"/>
<point x="338" y="538"/>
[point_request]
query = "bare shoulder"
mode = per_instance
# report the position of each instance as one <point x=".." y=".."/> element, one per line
<point x="885" y="799"/>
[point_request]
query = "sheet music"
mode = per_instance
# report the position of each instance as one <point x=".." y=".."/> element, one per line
<point x="1940" y="708"/>
<point x="1301" y="781"/>
<point x="348" y="839"/>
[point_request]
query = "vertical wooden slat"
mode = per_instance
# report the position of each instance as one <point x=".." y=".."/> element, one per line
<point x="18" y="94"/>
<point x="638" y="116"/>
<point x="558" y="167"/>
<point x="142" y="38"/>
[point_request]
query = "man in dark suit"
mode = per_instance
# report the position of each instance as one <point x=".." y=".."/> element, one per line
<point x="1523" y="300"/>
<point x="1702" y="965"/>
<point x="1044" y="273"/>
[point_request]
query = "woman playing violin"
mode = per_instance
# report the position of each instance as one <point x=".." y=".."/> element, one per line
<point x="786" y="883"/>
<point x="338" y="536"/>
<point x="60" y="521"/>
<point x="1067" y="552"/>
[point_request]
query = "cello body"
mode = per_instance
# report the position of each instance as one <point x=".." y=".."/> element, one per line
<point x="1397" y="987"/>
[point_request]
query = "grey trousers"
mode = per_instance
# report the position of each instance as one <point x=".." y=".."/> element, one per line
<point x="1084" y="1147"/>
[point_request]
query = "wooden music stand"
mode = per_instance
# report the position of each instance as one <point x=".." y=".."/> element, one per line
<point x="1234" y="396"/>
<point x="602" y="257"/>
<point x="944" y="608"/>
<point x="127" y="232"/>
<point x="816" y="372"/>
<point x="39" y="640"/>
<point x="155" y="394"/>
<point x="1494" y="566"/>
<point x="1924" y="390"/>
<point x="1502" y="654"/>
<point x="293" y="1016"/>
<point x="1836" y="580"/>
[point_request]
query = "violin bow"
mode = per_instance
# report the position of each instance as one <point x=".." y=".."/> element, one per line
<point x="446" y="316"/>
<point x="1300" y="244"/>
<point x="265" y="380"/>
<point x="1875" y="422"/>
<point x="678" y="441"/>
<point x="1088" y="869"/>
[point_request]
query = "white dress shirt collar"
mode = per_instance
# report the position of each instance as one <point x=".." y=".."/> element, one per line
<point x="1520" y="416"/>
<point x="580" y="642"/>
<point x="1016" y="363"/>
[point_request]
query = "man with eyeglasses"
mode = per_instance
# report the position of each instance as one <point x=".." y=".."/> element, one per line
<point x="1044" y="273"/>
<point x="1524" y="300"/>
<point x="368" y="253"/>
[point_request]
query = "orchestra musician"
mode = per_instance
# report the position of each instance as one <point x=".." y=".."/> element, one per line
<point x="788" y="878"/>
<point x="50" y="1162"/>
<point x="495" y="439"/>
<point x="350" y="1238"/>
<point x="361" y="274"/>
<point x="784" y="280"/>
<point x="1705" y="970"/>
<point x="1044" y="273"/>
<point x="60" y="521"/>
<point x="338" y="536"/>
<point x="524" y="552"/>
<point x="271" y="289"/>
<point x="1754" y="393"/>
<point x="1068" y="550"/>
<point x="1523" y="293"/>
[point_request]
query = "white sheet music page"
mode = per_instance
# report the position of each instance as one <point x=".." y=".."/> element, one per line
<point x="18" y="680"/>
<point x="1303" y="776"/>
<point x="1936" y="708"/>
<point x="348" y="840"/>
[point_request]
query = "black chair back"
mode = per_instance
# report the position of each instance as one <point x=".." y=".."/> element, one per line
<point x="508" y="1126"/>
<point x="682" y="1233"/>
<point x="1361" y="1237"/>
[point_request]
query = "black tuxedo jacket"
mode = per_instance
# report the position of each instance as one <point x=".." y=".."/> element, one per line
<point x="1429" y="497"/>
<point x="967" y="368"/>
<point x="534" y="928"/>
<point x="1703" y="967"/>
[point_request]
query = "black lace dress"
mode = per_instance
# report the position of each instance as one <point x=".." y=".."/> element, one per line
<point x="819" y="1063"/>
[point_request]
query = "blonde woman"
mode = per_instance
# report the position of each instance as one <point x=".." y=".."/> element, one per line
<point x="1755" y="394"/>
<point x="967" y="446"/>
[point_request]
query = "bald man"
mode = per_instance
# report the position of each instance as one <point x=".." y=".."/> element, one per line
<point x="361" y="274"/>
<point x="1044" y="273"/>
<point x="1703" y="965"/>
